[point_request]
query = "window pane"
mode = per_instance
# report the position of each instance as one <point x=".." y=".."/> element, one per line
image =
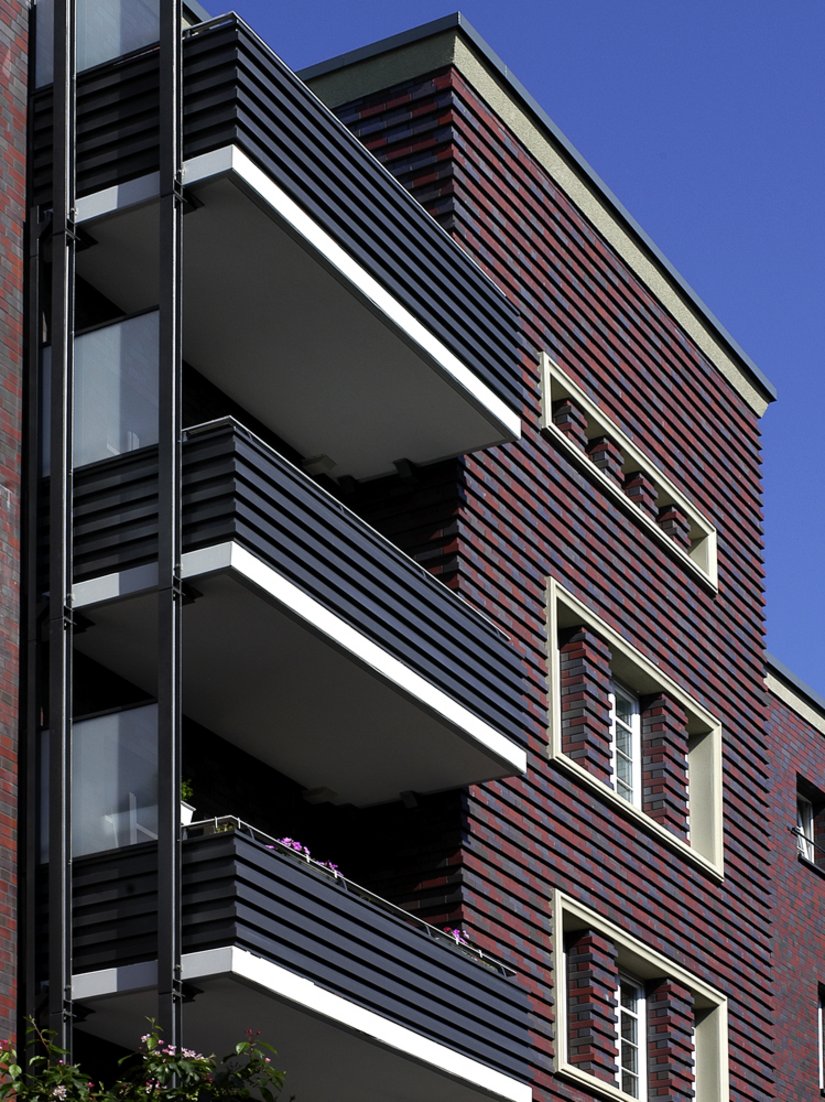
<point x="625" y="708"/>
<point x="630" y="1084"/>
<point x="630" y="1028"/>
<point x="114" y="780"/>
<point x="805" y="827"/>
<point x="625" y="733"/>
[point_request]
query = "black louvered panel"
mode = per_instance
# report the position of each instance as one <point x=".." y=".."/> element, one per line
<point x="237" y="488"/>
<point x="238" y="892"/>
<point x="237" y="92"/>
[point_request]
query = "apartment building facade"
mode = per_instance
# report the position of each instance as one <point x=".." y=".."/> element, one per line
<point x="428" y="556"/>
<point x="796" y="735"/>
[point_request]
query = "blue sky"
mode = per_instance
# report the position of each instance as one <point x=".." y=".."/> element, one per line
<point x="707" y="119"/>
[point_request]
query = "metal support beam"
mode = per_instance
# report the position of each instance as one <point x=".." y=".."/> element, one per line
<point x="60" y="526"/>
<point x="32" y="585"/>
<point x="169" y="524"/>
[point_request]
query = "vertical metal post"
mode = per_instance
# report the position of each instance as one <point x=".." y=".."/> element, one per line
<point x="32" y="586"/>
<point x="169" y="523"/>
<point x="60" y="527"/>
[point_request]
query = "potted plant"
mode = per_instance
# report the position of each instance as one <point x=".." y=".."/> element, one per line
<point x="187" y="809"/>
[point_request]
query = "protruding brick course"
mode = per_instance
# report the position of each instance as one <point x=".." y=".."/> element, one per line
<point x="664" y="762"/>
<point x="674" y="523"/>
<point x="592" y="982"/>
<point x="585" y="705"/>
<point x="641" y="490"/>
<point x="670" y="1042"/>
<point x="570" y="419"/>
<point x="606" y="455"/>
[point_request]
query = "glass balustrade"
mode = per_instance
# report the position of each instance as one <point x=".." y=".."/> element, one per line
<point x="114" y="782"/>
<point x="115" y="390"/>
<point x="106" y="29"/>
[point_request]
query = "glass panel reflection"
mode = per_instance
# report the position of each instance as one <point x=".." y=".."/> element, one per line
<point x="115" y="391"/>
<point x="105" y="29"/>
<point x="114" y="781"/>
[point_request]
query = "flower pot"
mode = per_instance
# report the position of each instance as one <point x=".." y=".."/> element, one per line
<point x="187" y="813"/>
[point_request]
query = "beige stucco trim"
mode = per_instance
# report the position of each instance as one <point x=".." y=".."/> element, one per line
<point x="372" y="74"/>
<point x="803" y="708"/>
<point x="711" y="1037"/>
<point x="704" y="744"/>
<point x="703" y="555"/>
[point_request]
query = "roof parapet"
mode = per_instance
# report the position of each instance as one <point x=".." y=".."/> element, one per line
<point x="452" y="40"/>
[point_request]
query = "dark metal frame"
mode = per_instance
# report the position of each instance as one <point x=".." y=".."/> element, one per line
<point x="169" y="520"/>
<point x="60" y="618"/>
<point x="61" y="635"/>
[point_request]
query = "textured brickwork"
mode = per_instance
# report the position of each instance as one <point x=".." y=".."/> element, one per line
<point x="670" y="1042"/>
<point x="417" y="510"/>
<point x="13" y="52"/>
<point x="592" y="982"/>
<point x="664" y="763"/>
<point x="641" y="491"/>
<point x="584" y="667"/>
<point x="529" y="512"/>
<point x="798" y="758"/>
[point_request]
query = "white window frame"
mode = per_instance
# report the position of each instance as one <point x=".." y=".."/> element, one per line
<point x="702" y="557"/>
<point x="637" y="1016"/>
<point x="633" y="730"/>
<point x="641" y="963"/>
<point x="704" y="843"/>
<point x="820" y="1035"/>
<point x="805" y="827"/>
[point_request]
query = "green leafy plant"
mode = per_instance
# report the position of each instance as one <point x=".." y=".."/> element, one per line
<point x="156" y="1070"/>
<point x="186" y="791"/>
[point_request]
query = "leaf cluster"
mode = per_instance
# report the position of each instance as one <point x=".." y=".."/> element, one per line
<point x="157" y="1070"/>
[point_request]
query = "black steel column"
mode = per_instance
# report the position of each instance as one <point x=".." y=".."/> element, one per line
<point x="60" y="527"/>
<point x="169" y="524"/>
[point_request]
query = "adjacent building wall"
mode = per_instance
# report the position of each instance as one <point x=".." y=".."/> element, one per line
<point x="796" y="738"/>
<point x="13" y="59"/>
<point x="530" y="513"/>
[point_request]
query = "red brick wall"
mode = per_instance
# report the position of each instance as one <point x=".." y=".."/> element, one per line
<point x="530" y="512"/>
<point x="13" y="53"/>
<point x="797" y="753"/>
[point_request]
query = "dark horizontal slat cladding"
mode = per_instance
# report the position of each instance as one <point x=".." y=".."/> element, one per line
<point x="237" y="92"/>
<point x="237" y="892"/>
<point x="237" y="488"/>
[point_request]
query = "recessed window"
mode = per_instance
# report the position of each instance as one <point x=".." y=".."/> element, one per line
<point x="820" y="1035"/>
<point x="810" y="823"/>
<point x="805" y="828"/>
<point x="631" y="1036"/>
<point x="625" y="737"/>
<point x="624" y="727"/>
<point x="669" y="1026"/>
<point x="594" y="441"/>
